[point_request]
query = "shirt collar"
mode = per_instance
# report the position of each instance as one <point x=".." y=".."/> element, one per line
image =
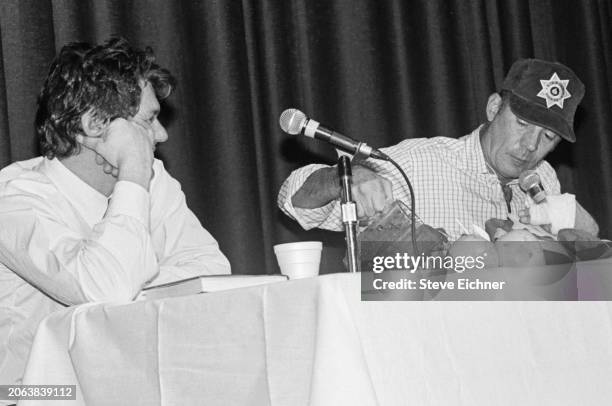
<point x="90" y="203"/>
<point x="474" y="155"/>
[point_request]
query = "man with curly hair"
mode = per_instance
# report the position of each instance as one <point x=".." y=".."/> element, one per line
<point x="97" y="217"/>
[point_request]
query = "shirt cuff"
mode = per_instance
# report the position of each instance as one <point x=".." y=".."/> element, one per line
<point x="307" y="218"/>
<point x="311" y="218"/>
<point x="130" y="199"/>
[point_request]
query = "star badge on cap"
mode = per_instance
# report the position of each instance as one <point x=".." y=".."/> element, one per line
<point x="554" y="91"/>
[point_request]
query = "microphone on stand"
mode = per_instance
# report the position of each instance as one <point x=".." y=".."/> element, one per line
<point x="349" y="213"/>
<point x="530" y="183"/>
<point x="293" y="121"/>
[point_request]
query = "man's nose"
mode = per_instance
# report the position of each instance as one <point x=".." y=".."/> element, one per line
<point x="531" y="139"/>
<point x="160" y="134"/>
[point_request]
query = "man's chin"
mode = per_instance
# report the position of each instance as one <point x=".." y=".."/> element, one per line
<point x="512" y="172"/>
<point x="515" y="167"/>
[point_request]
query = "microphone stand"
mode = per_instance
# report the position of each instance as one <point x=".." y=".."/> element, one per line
<point x="349" y="213"/>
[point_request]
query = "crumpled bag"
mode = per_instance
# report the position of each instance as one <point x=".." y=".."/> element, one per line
<point x="390" y="233"/>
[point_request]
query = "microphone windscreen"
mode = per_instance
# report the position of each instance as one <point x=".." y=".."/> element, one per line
<point x="528" y="179"/>
<point x="529" y="182"/>
<point x="292" y="121"/>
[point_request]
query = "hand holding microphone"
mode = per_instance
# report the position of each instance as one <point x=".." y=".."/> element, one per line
<point x="371" y="192"/>
<point x="557" y="210"/>
<point x="529" y="182"/>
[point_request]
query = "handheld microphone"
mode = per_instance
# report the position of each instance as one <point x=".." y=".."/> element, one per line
<point x="293" y="121"/>
<point x="530" y="183"/>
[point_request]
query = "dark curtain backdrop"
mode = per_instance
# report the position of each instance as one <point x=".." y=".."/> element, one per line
<point x="379" y="70"/>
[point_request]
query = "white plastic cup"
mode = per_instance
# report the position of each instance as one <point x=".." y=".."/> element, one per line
<point x="299" y="259"/>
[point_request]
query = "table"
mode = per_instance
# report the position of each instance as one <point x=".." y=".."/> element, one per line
<point x="313" y="342"/>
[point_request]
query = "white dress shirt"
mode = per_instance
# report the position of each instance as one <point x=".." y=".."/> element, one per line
<point x="451" y="182"/>
<point x="63" y="243"/>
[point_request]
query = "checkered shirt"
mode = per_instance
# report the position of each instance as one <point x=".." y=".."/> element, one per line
<point x="450" y="179"/>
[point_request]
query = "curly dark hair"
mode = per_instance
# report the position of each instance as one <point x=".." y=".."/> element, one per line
<point x="105" y="79"/>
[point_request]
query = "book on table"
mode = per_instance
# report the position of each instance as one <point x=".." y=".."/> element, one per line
<point x="206" y="283"/>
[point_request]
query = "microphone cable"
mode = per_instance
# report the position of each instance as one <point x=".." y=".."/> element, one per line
<point x="412" y="202"/>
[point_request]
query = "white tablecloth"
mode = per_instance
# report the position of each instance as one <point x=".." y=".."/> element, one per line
<point x="313" y="342"/>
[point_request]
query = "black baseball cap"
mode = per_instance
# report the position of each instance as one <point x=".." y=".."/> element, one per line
<point x="545" y="93"/>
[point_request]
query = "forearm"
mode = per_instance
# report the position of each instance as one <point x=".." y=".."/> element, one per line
<point x="311" y="195"/>
<point x="321" y="188"/>
<point x="116" y="264"/>
<point x="115" y="260"/>
<point x="110" y="262"/>
<point x="326" y="216"/>
<point x="584" y="221"/>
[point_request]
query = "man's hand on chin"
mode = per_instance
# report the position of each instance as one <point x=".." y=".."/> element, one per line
<point x="126" y="149"/>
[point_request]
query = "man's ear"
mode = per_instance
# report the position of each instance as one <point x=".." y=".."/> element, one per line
<point x="494" y="105"/>
<point x="92" y="126"/>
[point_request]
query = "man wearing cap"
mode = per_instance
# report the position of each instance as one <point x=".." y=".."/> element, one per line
<point x="466" y="181"/>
